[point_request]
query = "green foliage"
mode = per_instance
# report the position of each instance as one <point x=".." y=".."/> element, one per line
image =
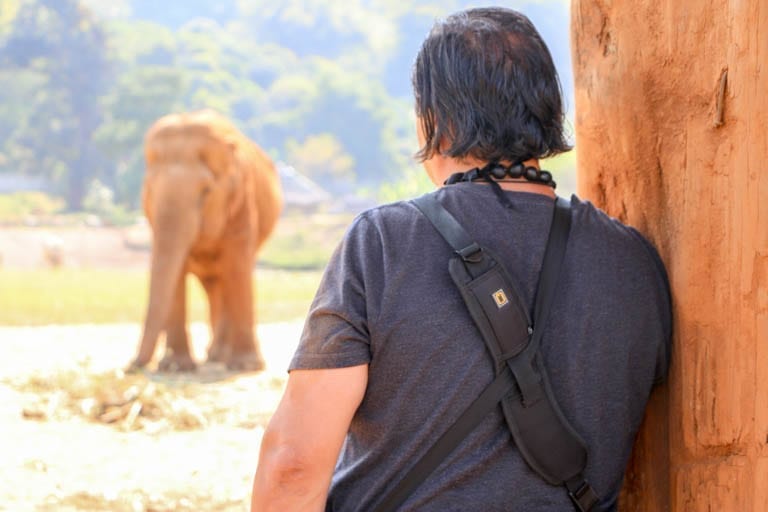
<point x="63" y="43"/>
<point x="139" y="97"/>
<point x="99" y="200"/>
<point x="16" y="207"/>
<point x="563" y="168"/>
<point x="322" y="158"/>
<point x="82" y="80"/>
<point x="412" y="183"/>
<point x="8" y="11"/>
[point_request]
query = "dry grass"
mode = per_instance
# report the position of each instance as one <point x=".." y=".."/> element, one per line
<point x="191" y="442"/>
<point x="151" y="402"/>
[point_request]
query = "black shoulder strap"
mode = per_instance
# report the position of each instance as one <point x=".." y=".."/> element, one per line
<point x="488" y="400"/>
<point x="447" y="225"/>
<point x="521" y="383"/>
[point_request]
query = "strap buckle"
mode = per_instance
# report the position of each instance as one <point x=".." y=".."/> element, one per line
<point x="584" y="497"/>
<point x="471" y="253"/>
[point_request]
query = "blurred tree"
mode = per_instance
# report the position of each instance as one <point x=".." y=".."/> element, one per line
<point x="141" y="95"/>
<point x="18" y="90"/>
<point x="323" y="158"/>
<point x="60" y="40"/>
<point x="77" y="95"/>
<point x="148" y="84"/>
<point x="8" y="11"/>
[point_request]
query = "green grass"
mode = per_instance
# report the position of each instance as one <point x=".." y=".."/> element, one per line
<point x="302" y="242"/>
<point x="71" y="296"/>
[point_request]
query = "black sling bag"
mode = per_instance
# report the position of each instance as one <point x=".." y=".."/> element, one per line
<point x="542" y="434"/>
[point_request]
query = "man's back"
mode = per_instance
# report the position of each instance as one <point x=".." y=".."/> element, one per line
<point x="387" y="300"/>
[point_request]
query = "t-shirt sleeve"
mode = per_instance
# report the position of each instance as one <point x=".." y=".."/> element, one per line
<point x="664" y="304"/>
<point x="336" y="331"/>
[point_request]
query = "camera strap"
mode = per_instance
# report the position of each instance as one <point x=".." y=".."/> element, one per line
<point x="542" y="434"/>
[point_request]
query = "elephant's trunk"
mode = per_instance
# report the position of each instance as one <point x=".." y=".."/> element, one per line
<point x="173" y="235"/>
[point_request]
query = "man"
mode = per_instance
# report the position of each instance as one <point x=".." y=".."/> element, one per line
<point x="390" y="356"/>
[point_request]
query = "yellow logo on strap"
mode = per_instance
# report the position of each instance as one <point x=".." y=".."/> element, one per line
<point x="500" y="298"/>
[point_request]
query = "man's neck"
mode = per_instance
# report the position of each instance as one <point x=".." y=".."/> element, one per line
<point x="443" y="168"/>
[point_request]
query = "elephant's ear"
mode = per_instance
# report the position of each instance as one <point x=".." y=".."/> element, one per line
<point x="237" y="179"/>
<point x="217" y="153"/>
<point x="146" y="198"/>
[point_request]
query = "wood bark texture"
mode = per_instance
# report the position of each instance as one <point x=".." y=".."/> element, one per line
<point x="672" y="137"/>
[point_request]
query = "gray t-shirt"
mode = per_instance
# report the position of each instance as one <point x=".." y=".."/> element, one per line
<point x="387" y="300"/>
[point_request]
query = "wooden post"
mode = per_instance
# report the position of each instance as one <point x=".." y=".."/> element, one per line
<point x="672" y="137"/>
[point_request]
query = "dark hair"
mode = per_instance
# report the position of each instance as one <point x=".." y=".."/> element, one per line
<point x="485" y="83"/>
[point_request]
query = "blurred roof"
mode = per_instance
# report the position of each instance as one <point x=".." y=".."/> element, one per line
<point x="298" y="190"/>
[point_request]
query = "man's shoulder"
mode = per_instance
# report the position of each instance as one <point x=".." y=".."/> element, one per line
<point x="384" y="218"/>
<point x="608" y="238"/>
<point x="388" y="212"/>
<point x="614" y="233"/>
<point x="592" y="217"/>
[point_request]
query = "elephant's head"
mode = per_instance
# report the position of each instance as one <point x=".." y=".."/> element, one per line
<point x="192" y="178"/>
<point x="192" y="189"/>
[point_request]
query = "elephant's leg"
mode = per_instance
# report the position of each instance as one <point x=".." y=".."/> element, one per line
<point x="244" y="353"/>
<point x="217" y="350"/>
<point x="177" y="356"/>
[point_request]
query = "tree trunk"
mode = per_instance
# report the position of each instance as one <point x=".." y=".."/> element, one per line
<point x="672" y="136"/>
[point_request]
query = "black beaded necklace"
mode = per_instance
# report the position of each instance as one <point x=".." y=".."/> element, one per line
<point x="494" y="171"/>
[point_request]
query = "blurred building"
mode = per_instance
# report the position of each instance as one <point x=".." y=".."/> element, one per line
<point x="300" y="192"/>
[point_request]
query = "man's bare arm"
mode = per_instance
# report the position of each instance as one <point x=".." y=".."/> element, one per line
<point x="304" y="437"/>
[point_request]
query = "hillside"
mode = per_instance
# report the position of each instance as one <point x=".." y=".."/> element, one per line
<point x="323" y="85"/>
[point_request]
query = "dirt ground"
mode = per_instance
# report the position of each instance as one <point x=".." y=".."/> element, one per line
<point x="64" y="446"/>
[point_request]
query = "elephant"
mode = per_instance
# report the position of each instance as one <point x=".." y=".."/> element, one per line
<point x="212" y="197"/>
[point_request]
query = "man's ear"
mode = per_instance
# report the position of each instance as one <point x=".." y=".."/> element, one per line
<point x="420" y="137"/>
<point x="434" y="163"/>
<point x="426" y="131"/>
